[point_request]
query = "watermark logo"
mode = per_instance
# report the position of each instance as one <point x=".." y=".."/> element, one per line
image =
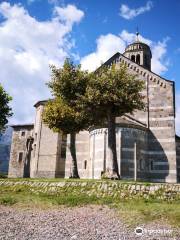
<point x="138" y="231"/>
<point x="74" y="237"/>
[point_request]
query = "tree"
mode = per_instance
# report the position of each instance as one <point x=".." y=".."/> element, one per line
<point x="5" y="110"/>
<point x="65" y="113"/>
<point x="111" y="93"/>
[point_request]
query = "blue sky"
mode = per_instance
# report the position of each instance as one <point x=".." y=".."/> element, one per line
<point x="35" y="33"/>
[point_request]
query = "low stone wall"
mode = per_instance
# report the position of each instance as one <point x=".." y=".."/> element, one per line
<point x="100" y="189"/>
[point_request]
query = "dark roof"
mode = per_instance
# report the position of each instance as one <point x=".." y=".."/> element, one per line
<point x="23" y="125"/>
<point x="116" y="55"/>
<point x="128" y="121"/>
<point x="141" y="44"/>
<point x="42" y="102"/>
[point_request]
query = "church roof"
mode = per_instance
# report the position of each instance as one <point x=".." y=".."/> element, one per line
<point x="42" y="102"/>
<point x="129" y="121"/>
<point x="27" y="125"/>
<point x="116" y="57"/>
<point x="137" y="46"/>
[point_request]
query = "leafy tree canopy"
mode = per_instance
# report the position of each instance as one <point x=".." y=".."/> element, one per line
<point x="5" y="109"/>
<point x="116" y="89"/>
<point x="61" y="117"/>
<point x="68" y="82"/>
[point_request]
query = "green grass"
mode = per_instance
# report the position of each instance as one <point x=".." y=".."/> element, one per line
<point x="7" y="200"/>
<point x="3" y="175"/>
<point x="133" y="212"/>
<point x="141" y="211"/>
<point x="70" y="180"/>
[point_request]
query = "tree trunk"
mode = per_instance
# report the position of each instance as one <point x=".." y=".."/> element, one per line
<point x="73" y="155"/>
<point x="113" y="171"/>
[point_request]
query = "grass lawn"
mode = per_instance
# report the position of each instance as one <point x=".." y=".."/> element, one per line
<point x="132" y="211"/>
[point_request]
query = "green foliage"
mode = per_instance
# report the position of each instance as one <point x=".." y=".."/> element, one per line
<point x="3" y="175"/>
<point x="61" y="117"/>
<point x="7" y="200"/>
<point x="116" y="89"/>
<point x="65" y="112"/>
<point x="5" y="110"/>
<point x="68" y="82"/>
<point x="75" y="199"/>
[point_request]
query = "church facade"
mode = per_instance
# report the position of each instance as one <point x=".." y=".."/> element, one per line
<point x="147" y="146"/>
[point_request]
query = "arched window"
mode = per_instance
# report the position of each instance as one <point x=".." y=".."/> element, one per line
<point x="138" y="59"/>
<point x="133" y="58"/>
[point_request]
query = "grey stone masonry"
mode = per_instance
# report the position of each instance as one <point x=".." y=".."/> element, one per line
<point x="46" y="158"/>
<point x="178" y="157"/>
<point x="18" y="150"/>
<point x="159" y="118"/>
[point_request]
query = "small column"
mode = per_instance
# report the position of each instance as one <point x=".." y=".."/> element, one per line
<point x="93" y="155"/>
<point x="105" y="147"/>
<point x="119" y="138"/>
<point x="135" y="162"/>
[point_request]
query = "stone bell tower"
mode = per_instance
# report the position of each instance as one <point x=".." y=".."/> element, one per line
<point x="139" y="53"/>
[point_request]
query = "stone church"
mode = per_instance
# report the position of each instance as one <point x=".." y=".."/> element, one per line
<point x="147" y="146"/>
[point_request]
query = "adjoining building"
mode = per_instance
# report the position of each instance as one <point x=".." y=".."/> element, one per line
<point x="5" y="145"/>
<point x="147" y="145"/>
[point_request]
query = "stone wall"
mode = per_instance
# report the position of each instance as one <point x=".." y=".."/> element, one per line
<point x="19" y="138"/>
<point x="46" y="160"/>
<point x="178" y="157"/>
<point x="159" y="117"/>
<point x="115" y="189"/>
<point x="82" y="154"/>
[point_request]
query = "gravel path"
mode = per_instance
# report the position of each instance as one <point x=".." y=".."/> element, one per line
<point x="83" y="223"/>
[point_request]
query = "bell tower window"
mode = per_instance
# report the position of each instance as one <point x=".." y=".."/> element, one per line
<point x="138" y="59"/>
<point x="133" y="58"/>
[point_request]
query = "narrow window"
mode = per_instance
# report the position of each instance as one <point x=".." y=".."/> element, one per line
<point x="133" y="58"/>
<point x="20" y="157"/>
<point x="35" y="137"/>
<point x="138" y="59"/>
<point x="85" y="164"/>
<point x="23" y="134"/>
<point x="34" y="152"/>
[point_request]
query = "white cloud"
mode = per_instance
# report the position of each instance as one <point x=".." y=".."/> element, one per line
<point x="27" y="47"/>
<point x="159" y="50"/>
<point x="108" y="45"/>
<point x="70" y="14"/>
<point x="129" y="13"/>
<point x="159" y="63"/>
<point x="178" y="113"/>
